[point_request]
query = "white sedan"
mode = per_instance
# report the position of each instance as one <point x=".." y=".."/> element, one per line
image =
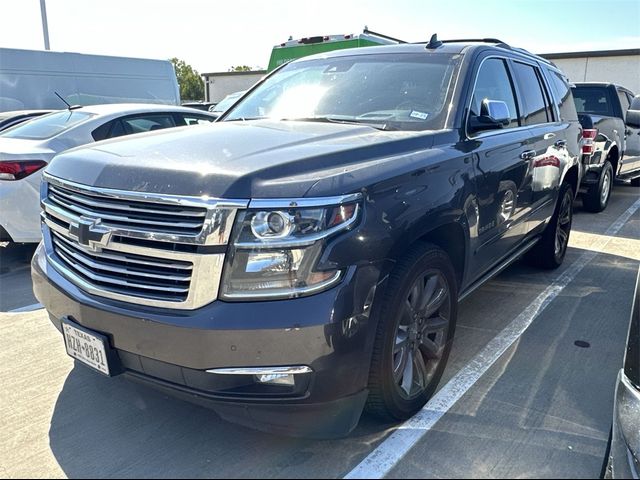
<point x="28" y="147"/>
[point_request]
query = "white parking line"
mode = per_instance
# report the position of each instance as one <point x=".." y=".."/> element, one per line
<point x="28" y="308"/>
<point x="380" y="462"/>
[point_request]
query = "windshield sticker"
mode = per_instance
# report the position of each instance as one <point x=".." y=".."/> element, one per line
<point x="420" y="115"/>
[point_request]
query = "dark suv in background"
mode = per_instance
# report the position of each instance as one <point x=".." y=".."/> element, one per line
<point x="303" y="258"/>
<point x="612" y="127"/>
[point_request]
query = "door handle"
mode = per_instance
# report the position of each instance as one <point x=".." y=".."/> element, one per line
<point x="561" y="143"/>
<point x="528" y="155"/>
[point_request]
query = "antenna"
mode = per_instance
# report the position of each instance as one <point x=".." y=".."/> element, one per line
<point x="65" y="102"/>
<point x="434" y="42"/>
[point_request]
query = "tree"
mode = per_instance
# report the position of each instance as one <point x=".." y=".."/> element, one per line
<point x="190" y="81"/>
<point x="241" y="68"/>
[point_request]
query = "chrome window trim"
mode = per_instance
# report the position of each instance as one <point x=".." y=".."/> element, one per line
<point x="292" y="370"/>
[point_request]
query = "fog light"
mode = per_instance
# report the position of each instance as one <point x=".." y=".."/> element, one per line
<point x="277" y="379"/>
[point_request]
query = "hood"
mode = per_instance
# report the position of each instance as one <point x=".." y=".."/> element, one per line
<point x="258" y="159"/>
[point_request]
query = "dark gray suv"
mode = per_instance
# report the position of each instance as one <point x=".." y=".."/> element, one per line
<point x="303" y="258"/>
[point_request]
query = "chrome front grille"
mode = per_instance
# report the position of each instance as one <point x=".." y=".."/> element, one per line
<point x="125" y="273"/>
<point x="137" y="247"/>
<point x="173" y="219"/>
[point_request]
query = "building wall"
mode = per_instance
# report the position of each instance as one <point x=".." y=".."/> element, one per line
<point x="219" y="85"/>
<point x="623" y="70"/>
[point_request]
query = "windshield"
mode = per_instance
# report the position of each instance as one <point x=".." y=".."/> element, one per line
<point x="46" y="126"/>
<point x="226" y="102"/>
<point x="401" y="91"/>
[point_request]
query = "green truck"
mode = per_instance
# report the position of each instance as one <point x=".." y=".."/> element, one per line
<point x="294" y="49"/>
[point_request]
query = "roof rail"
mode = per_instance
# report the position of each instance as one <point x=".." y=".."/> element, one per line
<point x="483" y="40"/>
<point x="500" y="43"/>
<point x="381" y="35"/>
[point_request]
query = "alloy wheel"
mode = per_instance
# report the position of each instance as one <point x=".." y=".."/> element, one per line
<point x="564" y="224"/>
<point x="606" y="188"/>
<point x="422" y="334"/>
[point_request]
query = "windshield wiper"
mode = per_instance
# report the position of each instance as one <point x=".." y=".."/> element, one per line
<point x="350" y="121"/>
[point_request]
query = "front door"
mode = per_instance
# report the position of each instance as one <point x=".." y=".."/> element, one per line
<point x="503" y="159"/>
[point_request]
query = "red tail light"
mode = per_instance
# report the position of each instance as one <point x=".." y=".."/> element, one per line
<point x="19" y="169"/>
<point x="588" y="136"/>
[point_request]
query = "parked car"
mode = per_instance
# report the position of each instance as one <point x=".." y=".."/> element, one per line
<point x="227" y="102"/>
<point x="624" y="451"/>
<point x="205" y="106"/>
<point x="26" y="148"/>
<point x="615" y="147"/>
<point x="9" y="119"/>
<point x="304" y="259"/>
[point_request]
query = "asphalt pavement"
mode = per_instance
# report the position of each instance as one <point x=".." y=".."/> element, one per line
<point x="541" y="408"/>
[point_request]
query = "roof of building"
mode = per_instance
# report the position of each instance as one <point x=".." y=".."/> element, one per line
<point x="228" y="74"/>
<point x="593" y="53"/>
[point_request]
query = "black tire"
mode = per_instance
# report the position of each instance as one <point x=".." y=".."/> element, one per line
<point x="547" y="253"/>
<point x="405" y="371"/>
<point x="597" y="197"/>
<point x="635" y="182"/>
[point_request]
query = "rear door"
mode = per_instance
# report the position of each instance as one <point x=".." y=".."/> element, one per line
<point x="550" y="142"/>
<point x="503" y="169"/>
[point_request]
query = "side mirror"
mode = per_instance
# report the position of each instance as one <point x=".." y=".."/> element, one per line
<point x="633" y="118"/>
<point x="494" y="114"/>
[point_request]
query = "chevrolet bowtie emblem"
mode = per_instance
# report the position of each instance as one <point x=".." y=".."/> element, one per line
<point x="90" y="233"/>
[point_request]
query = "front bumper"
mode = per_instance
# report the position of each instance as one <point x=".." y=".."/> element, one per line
<point x="172" y="350"/>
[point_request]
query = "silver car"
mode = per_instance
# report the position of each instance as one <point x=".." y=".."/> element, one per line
<point x="28" y="147"/>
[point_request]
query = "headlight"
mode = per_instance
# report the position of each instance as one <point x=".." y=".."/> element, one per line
<point x="275" y="251"/>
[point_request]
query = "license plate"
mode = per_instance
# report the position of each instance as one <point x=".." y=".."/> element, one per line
<point x="88" y="348"/>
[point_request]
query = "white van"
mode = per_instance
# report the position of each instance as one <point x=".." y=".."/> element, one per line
<point x="30" y="78"/>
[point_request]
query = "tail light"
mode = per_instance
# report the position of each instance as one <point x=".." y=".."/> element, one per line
<point x="588" y="137"/>
<point x="19" y="169"/>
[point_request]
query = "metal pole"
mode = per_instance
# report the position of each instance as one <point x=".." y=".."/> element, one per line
<point x="45" y="25"/>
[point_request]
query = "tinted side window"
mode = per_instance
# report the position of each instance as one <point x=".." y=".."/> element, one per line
<point x="117" y="130"/>
<point x="147" y="123"/>
<point x="594" y="100"/>
<point x="494" y="83"/>
<point x="102" y="132"/>
<point x="624" y="101"/>
<point x="563" y="97"/>
<point x="630" y="98"/>
<point x="536" y="108"/>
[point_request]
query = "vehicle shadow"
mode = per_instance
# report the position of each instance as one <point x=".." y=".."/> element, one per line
<point x="15" y="256"/>
<point x="111" y="427"/>
<point x="15" y="276"/>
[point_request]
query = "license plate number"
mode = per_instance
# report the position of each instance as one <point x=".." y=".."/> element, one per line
<point x="87" y="348"/>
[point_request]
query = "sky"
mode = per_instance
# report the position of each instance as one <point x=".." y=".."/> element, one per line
<point x="213" y="35"/>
